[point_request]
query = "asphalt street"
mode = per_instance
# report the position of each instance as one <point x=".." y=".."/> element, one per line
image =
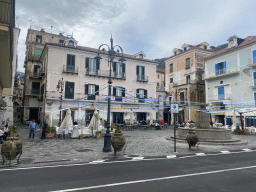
<point x="222" y="171"/>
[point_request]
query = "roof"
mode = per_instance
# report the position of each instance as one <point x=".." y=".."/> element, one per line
<point x="102" y="52"/>
<point x="160" y="70"/>
<point x="248" y="40"/>
<point x="193" y="47"/>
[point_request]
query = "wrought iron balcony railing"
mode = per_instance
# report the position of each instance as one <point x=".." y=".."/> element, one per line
<point x="70" y="69"/>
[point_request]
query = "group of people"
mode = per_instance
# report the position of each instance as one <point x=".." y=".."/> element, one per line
<point x="33" y="126"/>
<point x="4" y="131"/>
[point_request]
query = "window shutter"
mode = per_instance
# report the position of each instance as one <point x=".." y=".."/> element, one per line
<point x="68" y="59"/>
<point x="96" y="89"/>
<point x="114" y="66"/>
<point x="254" y="56"/>
<point x="137" y="70"/>
<point x="143" y="71"/>
<point x="73" y="60"/>
<point x="224" y="67"/>
<point x="145" y="94"/>
<point x="87" y="63"/>
<point x="114" y="91"/>
<point x="137" y="93"/>
<point x="72" y="90"/>
<point x="217" y="69"/>
<point x="86" y="89"/>
<point x="123" y="68"/>
<point x="97" y="64"/>
<point x="123" y="92"/>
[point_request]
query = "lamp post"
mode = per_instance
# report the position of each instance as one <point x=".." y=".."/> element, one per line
<point x="60" y="86"/>
<point x="111" y="53"/>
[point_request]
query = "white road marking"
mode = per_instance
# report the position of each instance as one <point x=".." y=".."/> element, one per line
<point x="200" y="154"/>
<point x="155" y="179"/>
<point x="98" y="161"/>
<point x="225" y="152"/>
<point x="137" y="158"/>
<point x="247" y="150"/>
<point x="171" y="156"/>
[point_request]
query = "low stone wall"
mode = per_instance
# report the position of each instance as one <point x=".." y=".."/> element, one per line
<point x="207" y="134"/>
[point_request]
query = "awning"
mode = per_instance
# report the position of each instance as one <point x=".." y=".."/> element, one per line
<point x="218" y="113"/>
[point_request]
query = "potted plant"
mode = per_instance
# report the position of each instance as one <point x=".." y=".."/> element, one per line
<point x="98" y="134"/>
<point x="113" y="128"/>
<point x="118" y="140"/>
<point x="12" y="147"/>
<point x="192" y="137"/>
<point x="50" y="130"/>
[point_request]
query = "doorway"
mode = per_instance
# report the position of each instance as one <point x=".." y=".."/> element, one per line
<point x="141" y="116"/>
<point x="118" y="117"/>
<point x="88" y="116"/>
<point x="33" y="114"/>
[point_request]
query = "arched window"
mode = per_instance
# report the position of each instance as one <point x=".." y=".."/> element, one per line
<point x="71" y="43"/>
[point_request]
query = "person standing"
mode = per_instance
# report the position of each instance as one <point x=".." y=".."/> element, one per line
<point x="32" y="128"/>
<point x="44" y="130"/>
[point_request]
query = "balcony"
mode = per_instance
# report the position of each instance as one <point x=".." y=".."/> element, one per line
<point x="32" y="92"/>
<point x="35" y="75"/>
<point x="40" y="98"/>
<point x="222" y="73"/>
<point x="101" y="73"/>
<point x="160" y="89"/>
<point x="252" y="84"/>
<point x="142" y="78"/>
<point x="219" y="97"/>
<point x="252" y="62"/>
<point x="70" y="69"/>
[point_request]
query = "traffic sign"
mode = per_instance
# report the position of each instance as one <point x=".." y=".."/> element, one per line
<point x="174" y="108"/>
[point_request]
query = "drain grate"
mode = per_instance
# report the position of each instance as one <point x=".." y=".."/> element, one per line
<point x="83" y="150"/>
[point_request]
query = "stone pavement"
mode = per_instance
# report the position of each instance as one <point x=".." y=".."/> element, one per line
<point x="140" y="143"/>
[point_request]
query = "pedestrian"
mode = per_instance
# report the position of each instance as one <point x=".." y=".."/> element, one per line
<point x="32" y="128"/>
<point x="157" y="125"/>
<point x="3" y="135"/>
<point x="44" y="130"/>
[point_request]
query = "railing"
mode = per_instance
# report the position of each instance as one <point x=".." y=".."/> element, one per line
<point x="101" y="73"/>
<point x="32" y="92"/>
<point x="252" y="61"/>
<point x="33" y="57"/>
<point x="252" y="84"/>
<point x="70" y="69"/>
<point x="219" y="97"/>
<point x="160" y="89"/>
<point x="40" y="97"/>
<point x="34" y="75"/>
<point x="142" y="78"/>
<point x="222" y="72"/>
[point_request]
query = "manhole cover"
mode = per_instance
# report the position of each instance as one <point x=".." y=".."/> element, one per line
<point x="83" y="150"/>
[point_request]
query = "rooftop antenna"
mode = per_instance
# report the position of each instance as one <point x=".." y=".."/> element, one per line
<point x="30" y="21"/>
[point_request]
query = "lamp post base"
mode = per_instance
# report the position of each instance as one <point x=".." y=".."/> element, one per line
<point x="107" y="143"/>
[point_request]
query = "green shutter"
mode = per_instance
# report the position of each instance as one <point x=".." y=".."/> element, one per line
<point x="123" y="92"/>
<point x="123" y="68"/>
<point x="68" y="59"/>
<point x="137" y="95"/>
<point x="37" y="52"/>
<point x="97" y="64"/>
<point x="96" y="89"/>
<point x="87" y="63"/>
<point x="114" y="66"/>
<point x="145" y="93"/>
<point x="86" y="89"/>
<point x="137" y="70"/>
<point x="73" y="60"/>
<point x="114" y="91"/>
<point x="143" y="71"/>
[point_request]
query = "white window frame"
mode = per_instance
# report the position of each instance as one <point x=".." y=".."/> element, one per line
<point x="91" y="89"/>
<point x="141" y="93"/>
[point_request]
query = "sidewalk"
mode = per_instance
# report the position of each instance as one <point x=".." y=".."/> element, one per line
<point x="38" y="152"/>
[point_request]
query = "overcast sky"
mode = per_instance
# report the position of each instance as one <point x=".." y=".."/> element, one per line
<point x="154" y="27"/>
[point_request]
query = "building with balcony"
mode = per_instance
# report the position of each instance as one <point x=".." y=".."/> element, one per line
<point x="85" y="85"/>
<point x="184" y="84"/>
<point x="230" y="75"/>
<point x="8" y="58"/>
<point x="34" y="71"/>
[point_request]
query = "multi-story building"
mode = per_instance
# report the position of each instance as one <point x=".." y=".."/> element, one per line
<point x="86" y="81"/>
<point x="183" y="80"/>
<point x="34" y="71"/>
<point x="230" y="81"/>
<point x="8" y="58"/>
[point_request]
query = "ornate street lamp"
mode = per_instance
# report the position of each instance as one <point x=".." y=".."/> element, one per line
<point x="111" y="55"/>
<point x="60" y="86"/>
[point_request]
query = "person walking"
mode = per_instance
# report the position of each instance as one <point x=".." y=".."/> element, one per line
<point x="44" y="130"/>
<point x="32" y="128"/>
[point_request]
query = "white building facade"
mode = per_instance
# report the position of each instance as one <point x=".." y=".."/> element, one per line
<point x="230" y="76"/>
<point x="85" y="85"/>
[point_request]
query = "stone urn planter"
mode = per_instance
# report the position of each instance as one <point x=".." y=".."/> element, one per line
<point x="192" y="138"/>
<point x="118" y="140"/>
<point x="11" y="149"/>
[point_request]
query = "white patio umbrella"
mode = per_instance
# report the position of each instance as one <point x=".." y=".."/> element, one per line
<point x="131" y="118"/>
<point x="234" y="121"/>
<point x="67" y="121"/>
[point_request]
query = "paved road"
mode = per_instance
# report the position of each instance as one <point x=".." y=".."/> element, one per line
<point x="225" y="171"/>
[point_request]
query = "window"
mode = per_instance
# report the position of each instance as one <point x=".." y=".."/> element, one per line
<point x="221" y="93"/>
<point x="205" y="47"/>
<point x="182" y="97"/>
<point x="171" y="68"/>
<point x="187" y="63"/>
<point x="69" y="90"/>
<point x="36" y="70"/>
<point x="38" y="39"/>
<point x="71" y="43"/>
<point x="70" y="63"/>
<point x="188" y="79"/>
<point x="37" y="52"/>
<point x="119" y="69"/>
<point x="141" y="94"/>
<point x="171" y="80"/>
<point x="185" y="48"/>
<point x="92" y="65"/>
<point x="141" y="56"/>
<point x="35" y="88"/>
<point x="157" y="85"/>
<point x="254" y="56"/>
<point x="158" y="76"/>
<point x="91" y="90"/>
<point x="170" y="98"/>
<point x="220" y="68"/>
<point x="140" y="71"/>
<point x="61" y="41"/>
<point x="118" y="92"/>
<point x="254" y="78"/>
<point x="175" y="53"/>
